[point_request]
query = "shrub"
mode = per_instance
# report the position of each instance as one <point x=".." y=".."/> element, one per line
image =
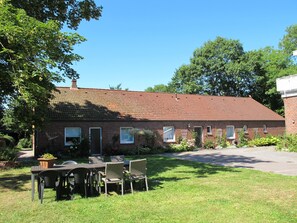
<point x="209" y="144"/>
<point x="287" y="143"/>
<point x="243" y="140"/>
<point x="184" y="145"/>
<point x="8" y="153"/>
<point x="264" y="141"/>
<point x="8" y="140"/>
<point x="222" y="141"/>
<point x="25" y="143"/>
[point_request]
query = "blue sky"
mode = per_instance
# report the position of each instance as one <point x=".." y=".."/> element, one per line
<point x="141" y="43"/>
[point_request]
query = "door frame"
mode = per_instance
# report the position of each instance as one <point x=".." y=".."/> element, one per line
<point x="201" y="127"/>
<point x="90" y="140"/>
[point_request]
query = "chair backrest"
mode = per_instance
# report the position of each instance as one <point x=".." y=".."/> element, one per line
<point x="79" y="174"/>
<point x="49" y="177"/>
<point x="96" y="159"/>
<point x="114" y="170"/>
<point x="138" y="167"/>
<point x="119" y="158"/>
<point x="69" y="162"/>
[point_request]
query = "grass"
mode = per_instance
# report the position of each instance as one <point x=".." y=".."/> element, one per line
<point x="180" y="191"/>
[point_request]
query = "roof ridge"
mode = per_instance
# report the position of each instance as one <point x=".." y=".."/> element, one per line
<point x="145" y="92"/>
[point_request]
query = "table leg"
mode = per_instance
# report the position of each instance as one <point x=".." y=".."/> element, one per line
<point x="33" y="185"/>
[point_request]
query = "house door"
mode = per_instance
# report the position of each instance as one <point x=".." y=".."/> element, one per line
<point x="198" y="138"/>
<point x="95" y="135"/>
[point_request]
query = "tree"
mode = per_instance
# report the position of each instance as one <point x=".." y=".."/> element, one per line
<point x="118" y="87"/>
<point x="33" y="55"/>
<point x="158" y="88"/>
<point x="289" y="42"/>
<point x="274" y="63"/>
<point x="71" y="12"/>
<point x="219" y="67"/>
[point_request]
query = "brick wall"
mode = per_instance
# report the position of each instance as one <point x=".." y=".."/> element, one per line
<point x="291" y="114"/>
<point x="55" y="131"/>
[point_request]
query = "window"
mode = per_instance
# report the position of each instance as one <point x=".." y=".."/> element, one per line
<point x="125" y="135"/>
<point x="72" y="136"/>
<point x="209" y="130"/>
<point x="265" y="129"/>
<point x="245" y="129"/>
<point x="230" y="133"/>
<point x="168" y="134"/>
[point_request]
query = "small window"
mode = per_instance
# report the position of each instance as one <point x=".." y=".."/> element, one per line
<point x="230" y="133"/>
<point x="265" y="129"/>
<point x="125" y="135"/>
<point x="245" y="129"/>
<point x="72" y="136"/>
<point x="168" y="134"/>
<point x="209" y="130"/>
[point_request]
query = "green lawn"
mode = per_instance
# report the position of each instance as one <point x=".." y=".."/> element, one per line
<point x="180" y="191"/>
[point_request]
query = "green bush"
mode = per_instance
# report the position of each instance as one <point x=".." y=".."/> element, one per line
<point x="243" y="140"/>
<point x="287" y="143"/>
<point x="209" y="144"/>
<point x="264" y="141"/>
<point x="25" y="143"/>
<point x="222" y="141"/>
<point x="8" y="140"/>
<point x="8" y="153"/>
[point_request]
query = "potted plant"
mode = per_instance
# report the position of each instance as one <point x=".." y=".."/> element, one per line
<point x="47" y="160"/>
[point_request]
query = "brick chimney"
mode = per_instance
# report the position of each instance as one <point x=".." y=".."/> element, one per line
<point x="73" y="85"/>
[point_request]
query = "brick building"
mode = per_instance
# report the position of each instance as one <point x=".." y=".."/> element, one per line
<point x="106" y="117"/>
<point x="287" y="86"/>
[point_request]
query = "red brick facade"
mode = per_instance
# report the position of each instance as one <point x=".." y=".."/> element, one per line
<point x="182" y="129"/>
<point x="100" y="115"/>
<point x="291" y="114"/>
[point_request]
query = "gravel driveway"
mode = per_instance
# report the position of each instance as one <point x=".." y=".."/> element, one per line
<point x="266" y="159"/>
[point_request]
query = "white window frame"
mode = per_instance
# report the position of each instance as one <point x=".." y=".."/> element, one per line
<point x="124" y="138"/>
<point x="233" y="136"/>
<point x="167" y="128"/>
<point x="209" y="130"/>
<point x="66" y="135"/>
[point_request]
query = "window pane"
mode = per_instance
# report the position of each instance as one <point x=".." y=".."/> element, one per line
<point x="72" y="136"/>
<point x="230" y="132"/>
<point x="168" y="133"/>
<point x="125" y="136"/>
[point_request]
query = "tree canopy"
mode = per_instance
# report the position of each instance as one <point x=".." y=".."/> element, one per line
<point x="222" y="67"/>
<point x="219" y="67"/>
<point x="34" y="53"/>
<point x="158" y="88"/>
<point x="70" y="12"/>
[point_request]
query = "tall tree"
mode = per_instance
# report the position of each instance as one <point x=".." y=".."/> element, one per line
<point x="33" y="55"/>
<point x="219" y="67"/>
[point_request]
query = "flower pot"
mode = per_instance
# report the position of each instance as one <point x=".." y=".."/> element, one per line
<point x="46" y="163"/>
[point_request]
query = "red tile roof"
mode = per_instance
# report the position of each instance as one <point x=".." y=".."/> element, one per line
<point x="102" y="105"/>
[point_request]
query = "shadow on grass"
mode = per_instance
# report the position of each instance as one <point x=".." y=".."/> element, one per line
<point x="14" y="182"/>
<point x="159" y="164"/>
